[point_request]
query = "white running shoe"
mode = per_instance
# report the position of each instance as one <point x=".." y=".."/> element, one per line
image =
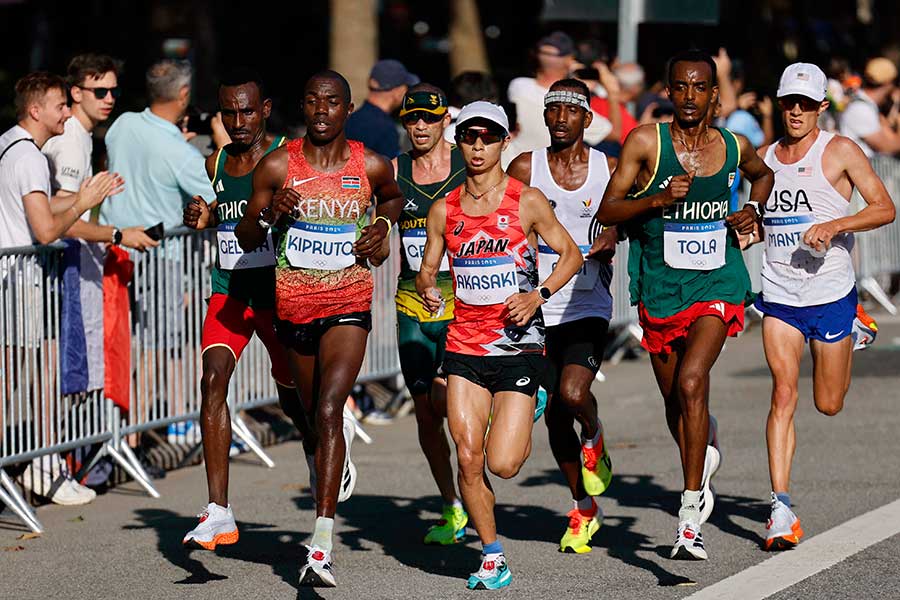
<point x="319" y="568"/>
<point x="707" y="495"/>
<point x="348" y="476"/>
<point x="216" y="527"/>
<point x="311" y="463"/>
<point x="783" y="530"/>
<point x="47" y="476"/>
<point x="688" y="542"/>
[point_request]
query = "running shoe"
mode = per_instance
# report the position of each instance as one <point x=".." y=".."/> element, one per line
<point x="319" y="568"/>
<point x="348" y="477"/>
<point x="596" y="469"/>
<point x="540" y="404"/>
<point x="688" y="542"/>
<point x="581" y="529"/>
<point x="864" y="329"/>
<point x="216" y="527"/>
<point x="491" y="575"/>
<point x="783" y="530"/>
<point x="708" y="496"/>
<point x="450" y="529"/>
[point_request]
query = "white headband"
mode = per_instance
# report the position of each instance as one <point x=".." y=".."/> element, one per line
<point x="568" y="97"/>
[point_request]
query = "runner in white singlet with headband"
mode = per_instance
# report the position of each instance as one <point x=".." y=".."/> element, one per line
<point x="808" y="283"/>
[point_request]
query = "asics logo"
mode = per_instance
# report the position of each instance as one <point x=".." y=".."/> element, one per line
<point x="459" y="228"/>
<point x="523" y="381"/>
<point x="831" y="336"/>
<point x="295" y="182"/>
<point x="719" y="306"/>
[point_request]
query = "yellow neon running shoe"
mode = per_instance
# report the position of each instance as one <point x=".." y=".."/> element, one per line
<point x="450" y="529"/>
<point x="596" y="469"/>
<point x="581" y="529"/>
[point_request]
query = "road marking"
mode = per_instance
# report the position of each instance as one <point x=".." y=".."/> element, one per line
<point x="808" y="558"/>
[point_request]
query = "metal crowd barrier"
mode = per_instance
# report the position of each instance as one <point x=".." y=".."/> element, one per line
<point x="169" y="289"/>
<point x="878" y="251"/>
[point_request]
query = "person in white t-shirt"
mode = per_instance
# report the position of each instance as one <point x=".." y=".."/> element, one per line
<point x="862" y="120"/>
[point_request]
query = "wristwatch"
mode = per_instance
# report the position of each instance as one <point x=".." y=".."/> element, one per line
<point x="545" y="293"/>
<point x="262" y="218"/>
<point x="116" y="236"/>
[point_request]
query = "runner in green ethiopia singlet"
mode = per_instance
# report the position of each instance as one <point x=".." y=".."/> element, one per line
<point x="418" y="200"/>
<point x="237" y="274"/>
<point x="686" y="253"/>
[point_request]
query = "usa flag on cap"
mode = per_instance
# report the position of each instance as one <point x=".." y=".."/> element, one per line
<point x="350" y="183"/>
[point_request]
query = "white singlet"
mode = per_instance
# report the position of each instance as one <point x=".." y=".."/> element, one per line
<point x="801" y="197"/>
<point x="587" y="293"/>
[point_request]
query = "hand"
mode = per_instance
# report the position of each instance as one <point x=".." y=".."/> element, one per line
<point x="723" y="62"/>
<point x="98" y="187"/>
<point x="196" y="214"/>
<point x="603" y="247"/>
<point x="134" y="237"/>
<point x="432" y="299"/>
<point x="370" y="238"/>
<point x="187" y="135"/>
<point x="819" y="235"/>
<point x="523" y="306"/>
<point x="607" y="79"/>
<point x="220" y="136"/>
<point x="766" y="107"/>
<point x="746" y="100"/>
<point x="678" y="189"/>
<point x="285" y="202"/>
<point x="743" y="221"/>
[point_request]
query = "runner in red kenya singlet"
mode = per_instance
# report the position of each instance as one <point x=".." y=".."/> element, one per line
<point x="495" y="344"/>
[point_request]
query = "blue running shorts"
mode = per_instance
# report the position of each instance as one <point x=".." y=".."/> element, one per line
<point x="827" y="323"/>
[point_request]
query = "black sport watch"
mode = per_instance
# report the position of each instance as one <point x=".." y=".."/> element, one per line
<point x="116" y="236"/>
<point x="545" y="293"/>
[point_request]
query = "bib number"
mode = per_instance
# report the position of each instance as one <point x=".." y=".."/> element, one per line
<point x="485" y="281"/>
<point x="584" y="279"/>
<point x="319" y="246"/>
<point x="695" y="246"/>
<point x="413" y="241"/>
<point x="233" y="258"/>
<point x="784" y="235"/>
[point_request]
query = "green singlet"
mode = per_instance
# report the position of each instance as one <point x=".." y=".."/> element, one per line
<point x="234" y="273"/>
<point x="685" y="253"/>
<point x="418" y="199"/>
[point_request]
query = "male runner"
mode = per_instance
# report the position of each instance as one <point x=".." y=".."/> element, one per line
<point x="495" y="344"/>
<point x="687" y="273"/>
<point x="320" y="187"/>
<point x="808" y="284"/>
<point x="573" y="177"/>
<point x="243" y="296"/>
<point x="429" y="171"/>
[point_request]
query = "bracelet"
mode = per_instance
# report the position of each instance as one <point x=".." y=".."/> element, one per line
<point x="386" y="220"/>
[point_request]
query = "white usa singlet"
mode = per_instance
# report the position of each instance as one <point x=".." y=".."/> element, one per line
<point x="803" y="196"/>
<point x="587" y="293"/>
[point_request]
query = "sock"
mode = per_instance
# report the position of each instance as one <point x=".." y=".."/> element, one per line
<point x="586" y="506"/>
<point x="784" y="498"/>
<point x="494" y="548"/>
<point x="457" y="504"/>
<point x="322" y="534"/>
<point x="592" y="442"/>
<point x="690" y="506"/>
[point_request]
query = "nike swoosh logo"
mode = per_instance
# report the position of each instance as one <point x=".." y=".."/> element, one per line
<point x="295" y="182"/>
<point x="831" y="336"/>
<point x="349" y="320"/>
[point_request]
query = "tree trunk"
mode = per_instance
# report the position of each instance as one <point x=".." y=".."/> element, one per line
<point x="354" y="42"/>
<point x="467" y="51"/>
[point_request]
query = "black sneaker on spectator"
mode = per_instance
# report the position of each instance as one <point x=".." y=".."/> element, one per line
<point x="152" y="471"/>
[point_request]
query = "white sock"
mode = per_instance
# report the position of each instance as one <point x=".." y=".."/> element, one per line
<point x="690" y="506"/>
<point x="592" y="442"/>
<point x="586" y="504"/>
<point x="322" y="534"/>
<point x="491" y="556"/>
<point x="457" y="504"/>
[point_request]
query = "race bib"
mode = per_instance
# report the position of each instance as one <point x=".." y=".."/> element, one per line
<point x="484" y="281"/>
<point x="695" y="246"/>
<point x="233" y="258"/>
<point x="784" y="235"/>
<point x="413" y="241"/>
<point x="584" y="279"/>
<point x="320" y="246"/>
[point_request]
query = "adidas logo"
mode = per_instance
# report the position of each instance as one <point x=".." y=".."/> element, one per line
<point x="665" y="182"/>
<point x="719" y="306"/>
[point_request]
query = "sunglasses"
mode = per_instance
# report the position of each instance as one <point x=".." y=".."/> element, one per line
<point x="488" y="136"/>
<point x="101" y="92"/>
<point x="806" y="104"/>
<point x="413" y="117"/>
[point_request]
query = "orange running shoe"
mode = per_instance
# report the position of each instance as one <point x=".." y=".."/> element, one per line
<point x="864" y="329"/>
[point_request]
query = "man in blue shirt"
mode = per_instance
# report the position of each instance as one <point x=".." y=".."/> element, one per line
<point x="373" y="124"/>
<point x="149" y="150"/>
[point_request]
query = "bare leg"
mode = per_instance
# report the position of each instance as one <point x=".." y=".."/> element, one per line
<point x="574" y="401"/>
<point x="831" y="374"/>
<point x="433" y="440"/>
<point x="215" y="420"/>
<point x="784" y="349"/>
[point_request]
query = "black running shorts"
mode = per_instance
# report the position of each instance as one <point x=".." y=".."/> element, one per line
<point x="303" y="338"/>
<point x="580" y="342"/>
<point x="521" y="373"/>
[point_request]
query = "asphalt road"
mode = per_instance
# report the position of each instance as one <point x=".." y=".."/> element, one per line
<point x="127" y="545"/>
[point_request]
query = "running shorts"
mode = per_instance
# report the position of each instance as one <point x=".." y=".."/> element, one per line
<point x="521" y="373"/>
<point x="303" y="338"/>
<point x="660" y="334"/>
<point x="829" y="323"/>
<point x="579" y="342"/>
<point x="421" y="349"/>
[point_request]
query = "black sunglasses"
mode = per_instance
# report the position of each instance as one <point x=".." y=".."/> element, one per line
<point x="488" y="136"/>
<point x="101" y="92"/>
<point x="413" y="117"/>
<point x="806" y="104"/>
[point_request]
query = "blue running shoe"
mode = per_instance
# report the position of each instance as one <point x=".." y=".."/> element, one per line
<point x="541" y="404"/>
<point x="492" y="574"/>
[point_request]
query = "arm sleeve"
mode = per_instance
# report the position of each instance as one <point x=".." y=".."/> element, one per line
<point x="192" y="178"/>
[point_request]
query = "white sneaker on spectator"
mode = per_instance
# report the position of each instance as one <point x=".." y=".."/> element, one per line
<point x="47" y="477"/>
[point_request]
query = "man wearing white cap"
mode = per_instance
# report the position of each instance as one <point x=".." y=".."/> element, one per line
<point x="862" y="120"/>
<point x="495" y="344"/>
<point x="808" y="285"/>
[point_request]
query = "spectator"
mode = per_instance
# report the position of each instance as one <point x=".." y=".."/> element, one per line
<point x="373" y="124"/>
<point x="622" y="90"/>
<point x="741" y="120"/>
<point x="556" y="58"/>
<point x="862" y="120"/>
<point x="149" y="149"/>
<point x="467" y="87"/>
